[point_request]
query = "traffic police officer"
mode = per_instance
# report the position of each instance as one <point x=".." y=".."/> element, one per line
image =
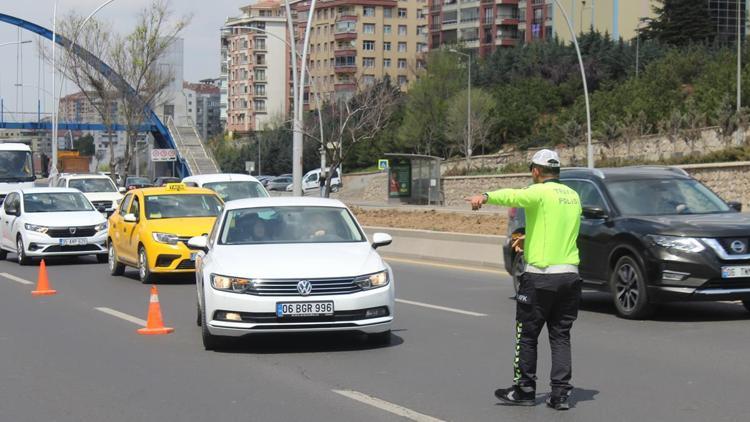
<point x="550" y="287"/>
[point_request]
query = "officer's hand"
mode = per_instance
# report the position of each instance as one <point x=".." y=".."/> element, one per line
<point x="517" y="244"/>
<point x="476" y="201"/>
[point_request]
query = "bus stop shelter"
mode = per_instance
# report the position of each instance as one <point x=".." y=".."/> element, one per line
<point x="414" y="179"/>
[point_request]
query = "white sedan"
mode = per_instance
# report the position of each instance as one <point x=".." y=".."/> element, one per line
<point x="291" y="265"/>
<point x="40" y="222"/>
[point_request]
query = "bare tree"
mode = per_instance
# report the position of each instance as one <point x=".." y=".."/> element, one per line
<point x="135" y="57"/>
<point x="572" y="132"/>
<point x="483" y="119"/>
<point x="350" y="122"/>
<point x="672" y="127"/>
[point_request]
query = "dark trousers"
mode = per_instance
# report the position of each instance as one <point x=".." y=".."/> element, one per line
<point x="552" y="299"/>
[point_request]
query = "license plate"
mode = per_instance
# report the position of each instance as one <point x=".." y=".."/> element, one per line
<point x="735" y="272"/>
<point x="304" y="309"/>
<point x="76" y="241"/>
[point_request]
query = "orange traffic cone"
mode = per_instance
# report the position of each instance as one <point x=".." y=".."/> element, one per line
<point x="42" y="284"/>
<point x="154" y="324"/>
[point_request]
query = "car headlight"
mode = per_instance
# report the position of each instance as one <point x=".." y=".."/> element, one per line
<point x="682" y="244"/>
<point x="168" y="238"/>
<point x="372" y="281"/>
<point x="35" y="228"/>
<point x="231" y="284"/>
<point x="101" y="227"/>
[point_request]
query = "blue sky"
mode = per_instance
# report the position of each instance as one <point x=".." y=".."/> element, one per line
<point x="201" y="41"/>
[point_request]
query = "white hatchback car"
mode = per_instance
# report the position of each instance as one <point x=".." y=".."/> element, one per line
<point x="229" y="186"/>
<point x="289" y="264"/>
<point x="40" y="222"/>
<point x="100" y="190"/>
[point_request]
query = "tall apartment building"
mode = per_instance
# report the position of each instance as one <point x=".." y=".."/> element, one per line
<point x="203" y="107"/>
<point x="356" y="42"/>
<point x="256" y="63"/>
<point x="724" y="18"/>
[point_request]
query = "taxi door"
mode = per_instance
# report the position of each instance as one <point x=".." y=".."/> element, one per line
<point x="116" y="223"/>
<point x="129" y="233"/>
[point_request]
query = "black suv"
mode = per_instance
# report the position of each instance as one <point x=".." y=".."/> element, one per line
<point x="653" y="234"/>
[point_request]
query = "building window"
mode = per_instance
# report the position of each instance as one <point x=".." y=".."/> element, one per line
<point x="260" y="59"/>
<point x="386" y="63"/>
<point x="421" y="14"/>
<point x="386" y="29"/>
<point x="368" y="79"/>
<point x="422" y="30"/>
<point x="368" y="45"/>
<point x="368" y="11"/>
<point x="346" y="61"/>
<point x="387" y="46"/>
<point x="402" y="63"/>
<point x="402" y="80"/>
<point x="369" y="28"/>
<point x="401" y="13"/>
<point x="421" y="47"/>
<point x="260" y="105"/>
<point x="368" y="62"/>
<point x="387" y="12"/>
<point x="402" y="47"/>
<point x="402" y="30"/>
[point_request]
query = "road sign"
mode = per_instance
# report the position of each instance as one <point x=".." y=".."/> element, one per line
<point x="382" y="164"/>
<point x="163" y="155"/>
<point x="249" y="166"/>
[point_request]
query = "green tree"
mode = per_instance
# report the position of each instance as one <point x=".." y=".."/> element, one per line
<point x="681" y="22"/>
<point x="483" y="118"/>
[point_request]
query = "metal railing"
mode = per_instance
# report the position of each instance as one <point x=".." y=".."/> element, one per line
<point x="185" y="152"/>
<point x="206" y="153"/>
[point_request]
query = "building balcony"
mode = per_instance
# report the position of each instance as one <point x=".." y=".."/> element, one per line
<point x="506" y="2"/>
<point x="348" y="16"/>
<point x="345" y="68"/>
<point x="471" y="43"/>
<point x="345" y="86"/>
<point x="506" y="42"/>
<point x="345" y="36"/>
<point x="349" y="51"/>
<point x="507" y="20"/>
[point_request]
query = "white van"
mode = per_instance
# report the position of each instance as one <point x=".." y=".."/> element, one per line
<point x="16" y="168"/>
<point x="229" y="186"/>
<point x="311" y="180"/>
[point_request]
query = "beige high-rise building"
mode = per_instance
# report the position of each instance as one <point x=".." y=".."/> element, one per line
<point x="356" y="42"/>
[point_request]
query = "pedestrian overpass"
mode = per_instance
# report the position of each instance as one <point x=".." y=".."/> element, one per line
<point x="193" y="156"/>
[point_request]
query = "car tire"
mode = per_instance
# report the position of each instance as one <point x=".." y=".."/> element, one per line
<point x="518" y="268"/>
<point x="102" y="258"/>
<point x="144" y="273"/>
<point x="115" y="267"/>
<point x="3" y="254"/>
<point x="380" y="339"/>
<point x="210" y="341"/>
<point x="199" y="317"/>
<point x="746" y="304"/>
<point x="21" y="253"/>
<point x="630" y="293"/>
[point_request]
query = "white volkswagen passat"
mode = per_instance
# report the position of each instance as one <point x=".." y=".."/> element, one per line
<point x="40" y="222"/>
<point x="291" y="265"/>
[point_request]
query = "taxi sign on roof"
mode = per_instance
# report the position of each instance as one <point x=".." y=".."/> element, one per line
<point x="175" y="186"/>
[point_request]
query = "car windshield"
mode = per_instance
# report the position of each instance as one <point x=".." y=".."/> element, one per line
<point x="16" y="166"/>
<point x="56" y="202"/>
<point x="229" y="191"/>
<point x="181" y="206"/>
<point x="92" y="185"/>
<point x="138" y="181"/>
<point x="296" y="224"/>
<point x="282" y="180"/>
<point x="665" y="197"/>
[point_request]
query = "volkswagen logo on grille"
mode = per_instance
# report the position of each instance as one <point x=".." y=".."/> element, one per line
<point x="738" y="246"/>
<point x="304" y="288"/>
<point x="72" y="230"/>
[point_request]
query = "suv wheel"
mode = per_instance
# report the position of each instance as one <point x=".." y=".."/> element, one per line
<point x="746" y="303"/>
<point x="629" y="289"/>
<point x="518" y="267"/>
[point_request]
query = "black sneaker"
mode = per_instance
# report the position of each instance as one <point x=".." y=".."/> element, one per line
<point x="558" y="402"/>
<point x="514" y="396"/>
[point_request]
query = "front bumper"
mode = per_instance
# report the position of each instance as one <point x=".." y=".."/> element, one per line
<point x="40" y="245"/>
<point x="261" y="311"/>
<point x="164" y="258"/>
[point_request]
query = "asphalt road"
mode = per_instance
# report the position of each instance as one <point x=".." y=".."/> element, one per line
<point x="61" y="359"/>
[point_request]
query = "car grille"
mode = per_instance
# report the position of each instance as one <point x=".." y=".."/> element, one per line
<point x="105" y="204"/>
<point x="338" y="316"/>
<point x="323" y="286"/>
<point x="734" y="283"/>
<point x="740" y="242"/>
<point x="186" y="264"/>
<point x="76" y="248"/>
<point x="87" y="231"/>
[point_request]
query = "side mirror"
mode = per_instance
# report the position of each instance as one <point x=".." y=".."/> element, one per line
<point x="129" y="218"/>
<point x="101" y="208"/>
<point x="13" y="211"/>
<point x="735" y="205"/>
<point x="198" y="242"/>
<point x="594" y="213"/>
<point x="381" y="239"/>
<point x="122" y="189"/>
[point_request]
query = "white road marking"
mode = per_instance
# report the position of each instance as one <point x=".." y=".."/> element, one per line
<point x="449" y="266"/>
<point x="441" y="308"/>
<point x="387" y="406"/>
<point x="15" y="278"/>
<point x="122" y="315"/>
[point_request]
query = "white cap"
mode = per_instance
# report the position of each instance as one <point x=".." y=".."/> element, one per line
<point x="546" y="158"/>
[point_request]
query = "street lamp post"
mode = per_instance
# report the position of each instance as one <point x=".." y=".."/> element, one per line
<point x="468" y="108"/>
<point x="739" y="57"/>
<point x="590" y="150"/>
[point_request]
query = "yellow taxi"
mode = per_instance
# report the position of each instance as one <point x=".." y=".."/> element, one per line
<point x="151" y="227"/>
